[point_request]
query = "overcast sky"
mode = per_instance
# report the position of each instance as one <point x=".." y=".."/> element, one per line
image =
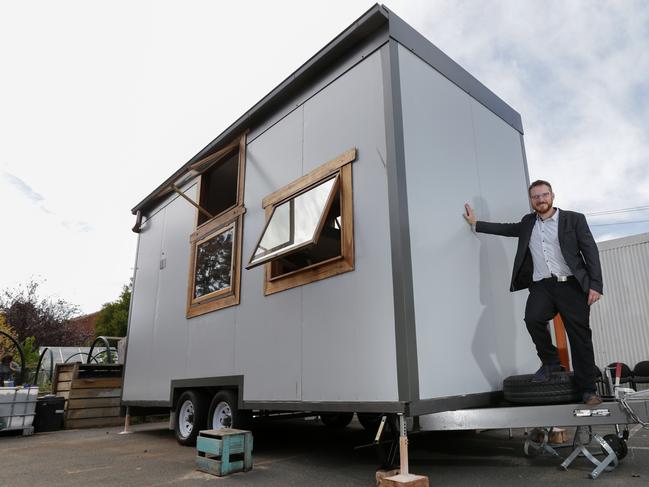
<point x="101" y="101"/>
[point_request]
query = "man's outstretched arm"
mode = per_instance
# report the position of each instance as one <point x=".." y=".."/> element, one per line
<point x="503" y="229"/>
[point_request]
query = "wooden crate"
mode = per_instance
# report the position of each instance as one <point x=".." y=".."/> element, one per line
<point x="225" y="451"/>
<point x="92" y="394"/>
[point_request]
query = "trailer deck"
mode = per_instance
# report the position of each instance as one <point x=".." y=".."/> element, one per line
<point x="626" y="409"/>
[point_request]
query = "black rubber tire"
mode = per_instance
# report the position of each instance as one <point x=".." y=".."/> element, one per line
<point x="240" y="419"/>
<point x="336" y="420"/>
<point x="370" y="421"/>
<point x="559" y="389"/>
<point x="617" y="444"/>
<point x="199" y="402"/>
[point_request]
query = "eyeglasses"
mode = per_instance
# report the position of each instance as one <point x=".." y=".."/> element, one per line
<point x="539" y="196"/>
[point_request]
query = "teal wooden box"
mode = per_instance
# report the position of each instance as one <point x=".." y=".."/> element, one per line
<point x="225" y="451"/>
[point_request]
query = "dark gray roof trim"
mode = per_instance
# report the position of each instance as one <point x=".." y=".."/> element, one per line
<point x="422" y="47"/>
<point x="371" y="21"/>
<point x="376" y="18"/>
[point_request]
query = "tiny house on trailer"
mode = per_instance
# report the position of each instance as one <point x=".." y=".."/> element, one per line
<point x="313" y="257"/>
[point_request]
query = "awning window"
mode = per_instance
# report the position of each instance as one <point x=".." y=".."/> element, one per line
<point x="295" y="223"/>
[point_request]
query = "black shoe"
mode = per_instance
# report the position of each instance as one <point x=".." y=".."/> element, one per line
<point x="544" y="373"/>
<point x="592" y="399"/>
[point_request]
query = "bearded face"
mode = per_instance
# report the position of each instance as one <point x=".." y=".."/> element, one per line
<point x="542" y="198"/>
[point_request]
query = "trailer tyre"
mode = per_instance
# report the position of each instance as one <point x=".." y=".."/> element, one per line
<point x="618" y="445"/>
<point x="191" y="416"/>
<point x="559" y="389"/>
<point x="336" y="420"/>
<point x="224" y="412"/>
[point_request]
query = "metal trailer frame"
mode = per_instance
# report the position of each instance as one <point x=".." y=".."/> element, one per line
<point x="628" y="409"/>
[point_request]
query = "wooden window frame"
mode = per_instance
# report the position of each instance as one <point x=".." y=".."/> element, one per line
<point x="232" y="216"/>
<point x="342" y="166"/>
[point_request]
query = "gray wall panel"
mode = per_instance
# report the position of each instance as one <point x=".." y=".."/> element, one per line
<point x="210" y="345"/>
<point x="170" y="332"/>
<point x="348" y="320"/>
<point x="457" y="287"/>
<point x="332" y="340"/>
<point x="138" y="368"/>
<point x="268" y="334"/>
<point x="504" y="348"/>
<point x="620" y="320"/>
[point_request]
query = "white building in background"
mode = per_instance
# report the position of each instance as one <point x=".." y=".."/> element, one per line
<point x="620" y="320"/>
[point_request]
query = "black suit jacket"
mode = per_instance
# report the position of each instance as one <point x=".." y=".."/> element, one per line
<point x="577" y="244"/>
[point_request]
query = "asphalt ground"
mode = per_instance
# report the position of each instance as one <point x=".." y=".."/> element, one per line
<point x="296" y="452"/>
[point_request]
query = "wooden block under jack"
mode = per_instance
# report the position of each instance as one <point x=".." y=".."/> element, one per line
<point x="381" y="474"/>
<point x="406" y="479"/>
<point x="558" y="436"/>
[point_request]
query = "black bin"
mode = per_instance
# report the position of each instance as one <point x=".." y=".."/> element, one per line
<point x="49" y="413"/>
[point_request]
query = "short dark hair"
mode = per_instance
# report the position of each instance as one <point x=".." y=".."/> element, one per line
<point x="538" y="182"/>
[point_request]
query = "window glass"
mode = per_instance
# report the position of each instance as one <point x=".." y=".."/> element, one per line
<point x="296" y="222"/>
<point x="327" y="247"/>
<point x="214" y="263"/>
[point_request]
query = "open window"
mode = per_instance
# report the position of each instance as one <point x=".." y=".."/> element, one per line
<point x="215" y="262"/>
<point x="308" y="234"/>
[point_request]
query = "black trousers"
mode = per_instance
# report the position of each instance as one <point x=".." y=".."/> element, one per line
<point x="549" y="297"/>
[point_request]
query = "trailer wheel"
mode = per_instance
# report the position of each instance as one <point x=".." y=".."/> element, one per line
<point x="370" y="421"/>
<point x="560" y="388"/>
<point x="190" y="418"/>
<point x="225" y="413"/>
<point x="336" y="420"/>
<point x="618" y="445"/>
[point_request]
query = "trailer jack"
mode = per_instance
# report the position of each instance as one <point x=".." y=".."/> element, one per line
<point x="613" y="447"/>
<point x="538" y="442"/>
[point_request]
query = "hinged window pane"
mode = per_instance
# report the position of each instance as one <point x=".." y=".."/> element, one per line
<point x="295" y="223"/>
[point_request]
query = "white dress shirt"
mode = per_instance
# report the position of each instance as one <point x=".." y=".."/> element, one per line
<point x="546" y="252"/>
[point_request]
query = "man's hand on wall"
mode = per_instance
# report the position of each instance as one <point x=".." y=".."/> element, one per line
<point x="468" y="214"/>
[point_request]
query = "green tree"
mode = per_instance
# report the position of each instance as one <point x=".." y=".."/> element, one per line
<point x="113" y="317"/>
<point x="6" y="343"/>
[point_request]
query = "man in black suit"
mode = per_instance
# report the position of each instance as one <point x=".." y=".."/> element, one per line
<point x="558" y="260"/>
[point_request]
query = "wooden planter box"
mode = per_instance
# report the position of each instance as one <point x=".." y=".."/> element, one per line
<point x="92" y="394"/>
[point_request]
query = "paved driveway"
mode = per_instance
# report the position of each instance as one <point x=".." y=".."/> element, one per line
<point x="293" y="453"/>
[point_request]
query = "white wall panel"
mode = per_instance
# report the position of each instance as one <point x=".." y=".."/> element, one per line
<point x="138" y="369"/>
<point x="170" y="334"/>
<point x="269" y="328"/>
<point x="348" y="320"/>
<point x="470" y="333"/>
<point x="503" y="346"/>
<point x="332" y="340"/>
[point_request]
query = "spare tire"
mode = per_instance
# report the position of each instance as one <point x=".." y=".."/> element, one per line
<point x="559" y="389"/>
